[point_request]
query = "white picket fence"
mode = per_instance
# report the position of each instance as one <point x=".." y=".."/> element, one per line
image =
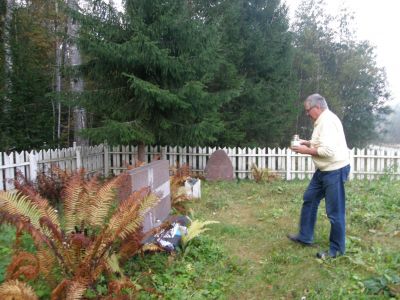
<point x="365" y="163"/>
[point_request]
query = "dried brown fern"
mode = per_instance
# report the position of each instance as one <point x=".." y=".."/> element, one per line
<point x="46" y="261"/>
<point x="102" y="200"/>
<point x="73" y="200"/>
<point x="130" y="214"/>
<point x="76" y="289"/>
<point x="22" y="223"/>
<point x="49" y="183"/>
<point x="93" y="230"/>
<point x="262" y="174"/>
<point x="60" y="291"/>
<point x="16" y="290"/>
<point x="115" y="286"/>
<point x="45" y="209"/>
<point x="23" y="264"/>
<point x="178" y="191"/>
<point x="130" y="246"/>
<point x="70" y="289"/>
<point x="18" y="204"/>
<point x="137" y="164"/>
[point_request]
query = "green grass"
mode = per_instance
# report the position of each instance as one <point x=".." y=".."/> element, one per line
<point x="255" y="218"/>
<point x="247" y="254"/>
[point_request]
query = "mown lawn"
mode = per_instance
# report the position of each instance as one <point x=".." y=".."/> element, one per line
<point x="247" y="254"/>
<point x="255" y="218"/>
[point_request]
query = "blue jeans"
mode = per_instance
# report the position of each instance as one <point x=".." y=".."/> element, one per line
<point x="328" y="185"/>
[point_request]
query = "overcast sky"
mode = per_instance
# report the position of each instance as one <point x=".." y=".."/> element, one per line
<point x="379" y="23"/>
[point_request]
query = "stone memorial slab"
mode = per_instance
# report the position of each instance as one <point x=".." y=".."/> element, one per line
<point x="219" y="167"/>
<point x="156" y="176"/>
<point x="193" y="188"/>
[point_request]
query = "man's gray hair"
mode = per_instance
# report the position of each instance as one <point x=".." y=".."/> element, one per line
<point x="317" y="100"/>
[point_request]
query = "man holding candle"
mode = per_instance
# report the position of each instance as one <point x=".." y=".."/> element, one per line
<point x="330" y="154"/>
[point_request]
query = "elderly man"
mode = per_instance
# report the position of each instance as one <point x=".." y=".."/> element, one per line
<point x="329" y="152"/>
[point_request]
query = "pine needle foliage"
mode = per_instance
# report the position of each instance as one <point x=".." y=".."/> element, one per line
<point x="88" y="240"/>
<point x="169" y="76"/>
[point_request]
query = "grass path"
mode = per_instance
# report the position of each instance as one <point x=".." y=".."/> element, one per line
<point x="255" y="218"/>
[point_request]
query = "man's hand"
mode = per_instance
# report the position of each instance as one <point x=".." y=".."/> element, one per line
<point x="302" y="149"/>
<point x="305" y="142"/>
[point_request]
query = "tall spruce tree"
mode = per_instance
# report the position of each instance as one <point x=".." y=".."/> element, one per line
<point x="27" y="114"/>
<point x="258" y="43"/>
<point x="157" y="73"/>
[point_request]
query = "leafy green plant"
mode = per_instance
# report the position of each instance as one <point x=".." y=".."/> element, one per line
<point x="204" y="273"/>
<point x="387" y="284"/>
<point x="195" y="229"/>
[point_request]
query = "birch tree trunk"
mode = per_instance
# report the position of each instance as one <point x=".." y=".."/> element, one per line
<point x="59" y="54"/>
<point x="76" y="81"/>
<point x="8" y="63"/>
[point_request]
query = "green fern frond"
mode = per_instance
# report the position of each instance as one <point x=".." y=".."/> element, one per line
<point x="16" y="203"/>
<point x="113" y="264"/>
<point x="195" y="229"/>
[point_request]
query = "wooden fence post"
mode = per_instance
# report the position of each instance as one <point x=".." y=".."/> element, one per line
<point x="352" y="164"/>
<point x="288" y="164"/>
<point x="106" y="159"/>
<point x="33" y="166"/>
<point x="78" y="158"/>
<point x="163" y="152"/>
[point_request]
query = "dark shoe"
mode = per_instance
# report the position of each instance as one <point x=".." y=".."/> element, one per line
<point x="324" y="255"/>
<point x="295" y="238"/>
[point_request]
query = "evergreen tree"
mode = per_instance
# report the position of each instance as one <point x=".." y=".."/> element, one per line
<point x="363" y="94"/>
<point x="392" y="128"/>
<point x="28" y="117"/>
<point x="257" y="42"/>
<point x="157" y="74"/>
<point x="329" y="60"/>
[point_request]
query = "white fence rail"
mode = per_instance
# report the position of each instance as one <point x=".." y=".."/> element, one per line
<point x="365" y="163"/>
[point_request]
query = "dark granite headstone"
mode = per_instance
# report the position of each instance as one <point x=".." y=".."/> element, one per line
<point x="219" y="167"/>
<point x="156" y="176"/>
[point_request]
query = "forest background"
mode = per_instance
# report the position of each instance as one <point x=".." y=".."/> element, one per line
<point x="179" y="72"/>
